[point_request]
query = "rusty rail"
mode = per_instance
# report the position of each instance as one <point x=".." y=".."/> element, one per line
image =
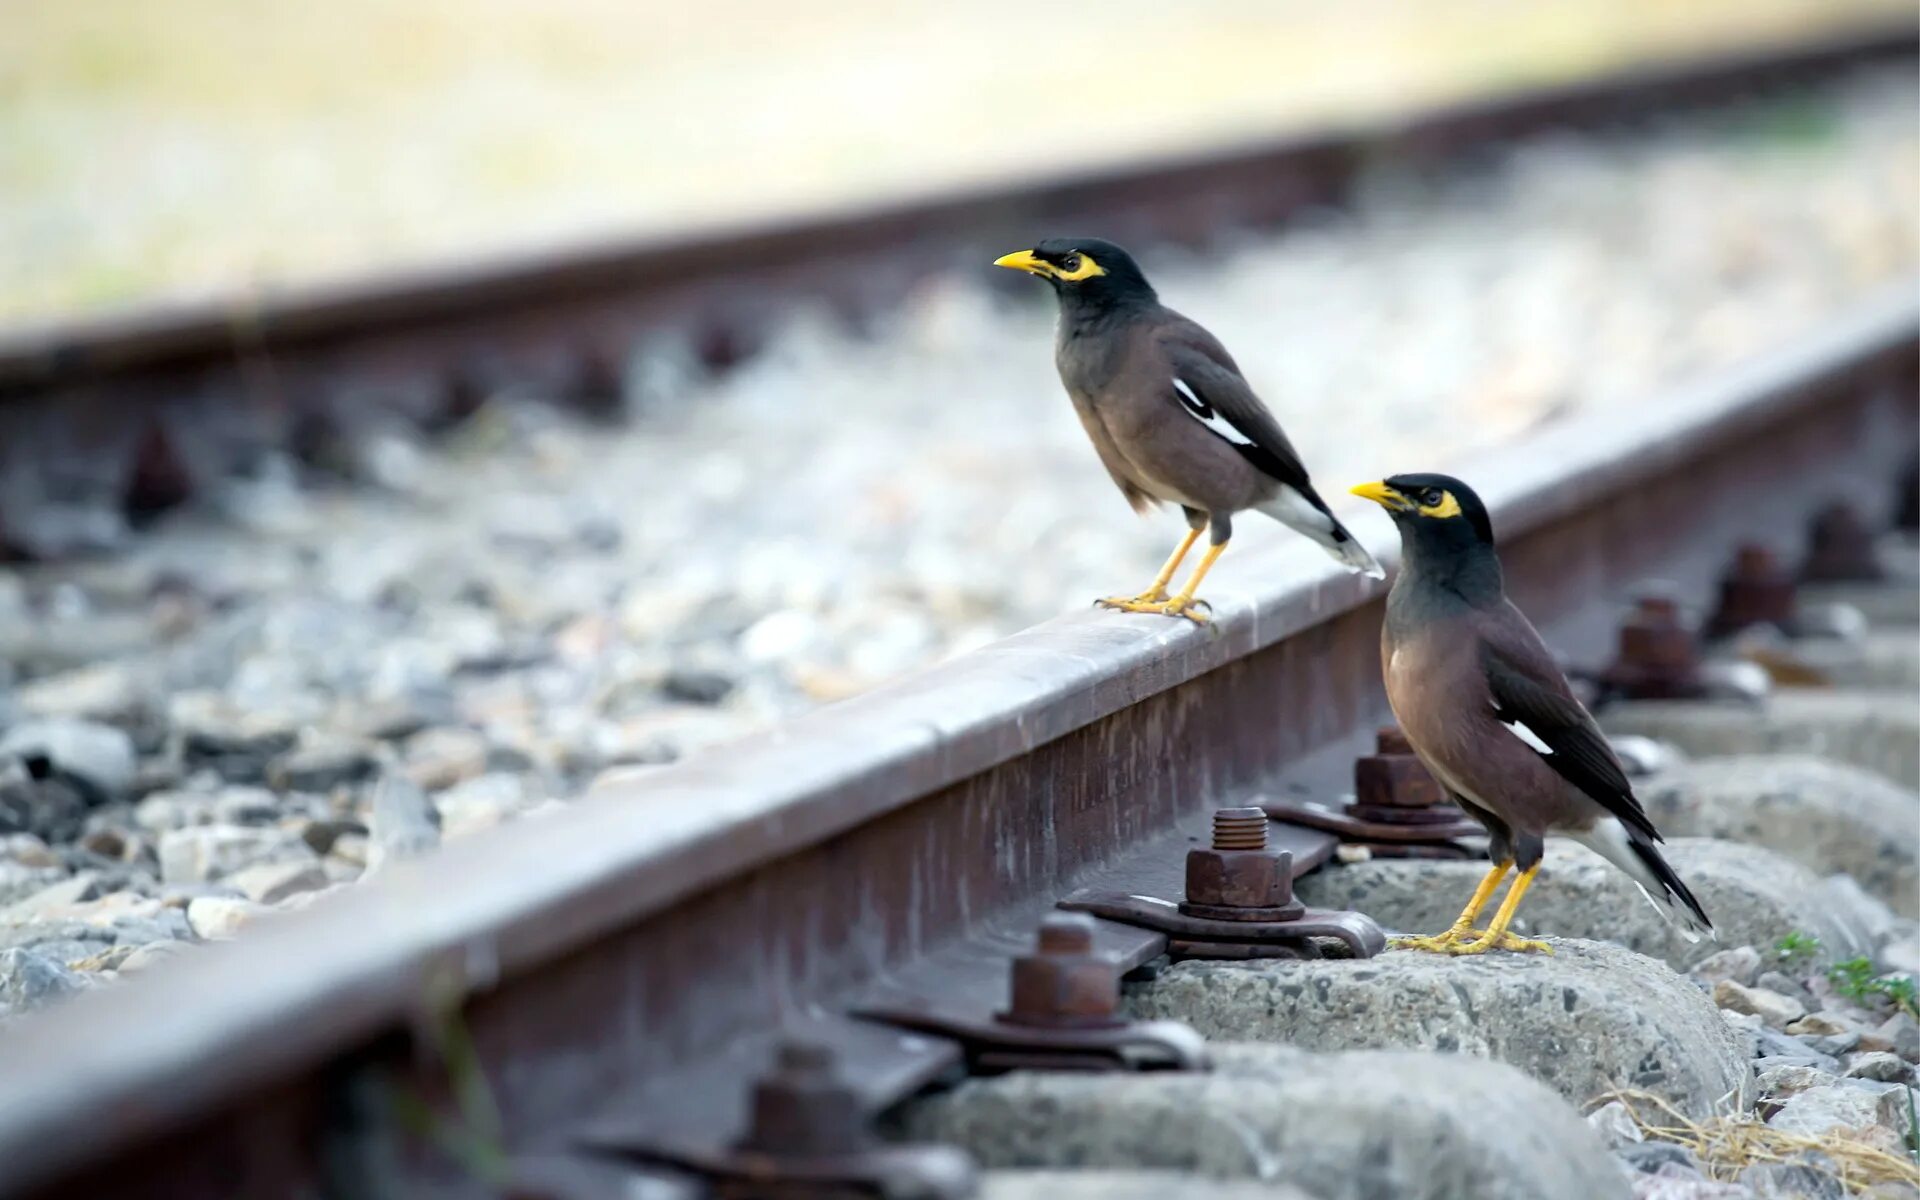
<point x="620" y="966"/>
<point x="564" y="319"/>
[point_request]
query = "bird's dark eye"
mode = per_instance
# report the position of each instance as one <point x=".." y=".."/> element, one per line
<point x="1070" y="263"/>
<point x="1432" y="497"/>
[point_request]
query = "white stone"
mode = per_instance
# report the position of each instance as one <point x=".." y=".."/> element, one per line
<point x="219" y="917"/>
<point x="1776" y="1010"/>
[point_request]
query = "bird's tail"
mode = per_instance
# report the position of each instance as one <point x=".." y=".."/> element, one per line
<point x="1347" y="551"/>
<point x="1640" y="858"/>
<point x="1308" y="514"/>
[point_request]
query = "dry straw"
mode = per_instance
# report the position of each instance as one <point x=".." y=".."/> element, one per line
<point x="1726" y="1144"/>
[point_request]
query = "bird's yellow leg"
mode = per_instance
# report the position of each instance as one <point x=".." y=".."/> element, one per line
<point x="1439" y="942"/>
<point x="1183" y="604"/>
<point x="1496" y="937"/>
<point x="1155" y="596"/>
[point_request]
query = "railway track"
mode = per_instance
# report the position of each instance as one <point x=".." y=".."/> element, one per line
<point x="890" y="852"/>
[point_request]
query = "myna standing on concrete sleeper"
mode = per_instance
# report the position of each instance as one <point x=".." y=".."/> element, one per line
<point x="1170" y="415"/>
<point x="1489" y="712"/>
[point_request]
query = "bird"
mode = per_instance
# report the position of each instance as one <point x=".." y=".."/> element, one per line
<point x="1171" y="417"/>
<point x="1492" y="716"/>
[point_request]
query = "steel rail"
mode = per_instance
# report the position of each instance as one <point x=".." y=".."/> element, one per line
<point x="644" y="937"/>
<point x="595" y="299"/>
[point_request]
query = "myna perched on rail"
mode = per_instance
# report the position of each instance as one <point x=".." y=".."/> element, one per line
<point x="1170" y="415"/>
<point x="1489" y="712"/>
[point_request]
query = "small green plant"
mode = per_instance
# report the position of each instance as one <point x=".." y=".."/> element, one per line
<point x="1901" y="989"/>
<point x="1797" y="949"/>
<point x="1855" y="980"/>
<point x="1852" y="978"/>
<point x="1913" y="1128"/>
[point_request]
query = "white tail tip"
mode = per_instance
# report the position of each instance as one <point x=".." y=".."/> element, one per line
<point x="1354" y="557"/>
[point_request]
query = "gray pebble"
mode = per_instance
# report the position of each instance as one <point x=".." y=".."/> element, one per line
<point x="1774" y="981"/>
<point x="1833" y="1045"/>
<point x="695" y="686"/>
<point x="140" y="958"/>
<point x="1903" y="1034"/>
<point x="321" y="764"/>
<point x="1878" y="1065"/>
<point x="73" y="890"/>
<point x="1650" y="1157"/>
<point x="1774" y="1010"/>
<point x="1780" y="1079"/>
<point x="404" y="823"/>
<point x="209" y="852"/>
<point x="26" y="850"/>
<point x="52" y="809"/>
<point x="17" y="881"/>
<point x="29" y="979"/>
<point x="1847" y="1105"/>
<point x="98" y="758"/>
<point x="272" y="883"/>
<point x="1741" y="964"/>
<point x="1791" y="1181"/>
<point x="440" y="758"/>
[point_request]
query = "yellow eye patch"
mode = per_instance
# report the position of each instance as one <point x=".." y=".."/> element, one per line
<point x="1026" y="260"/>
<point x="1083" y="268"/>
<point x="1448" y="507"/>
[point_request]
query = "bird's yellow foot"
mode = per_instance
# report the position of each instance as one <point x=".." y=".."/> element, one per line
<point x="1148" y="601"/>
<point x="1439" y="943"/>
<point x="1193" y="610"/>
<point x="1501" y="941"/>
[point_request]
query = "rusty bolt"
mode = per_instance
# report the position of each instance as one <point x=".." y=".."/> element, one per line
<point x="157" y="477"/>
<point x="463" y="390"/>
<point x="804" y="1107"/>
<point x="1392" y="777"/>
<point x="1840" y="548"/>
<point x="1239" y="878"/>
<point x="1755" y="590"/>
<point x="1658" y="658"/>
<point x="596" y="382"/>
<point x="1064" y="984"/>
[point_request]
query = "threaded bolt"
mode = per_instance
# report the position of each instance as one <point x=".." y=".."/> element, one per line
<point x="1753" y="561"/>
<point x="1391" y="739"/>
<point x="1657" y="606"/>
<point x="1239" y="829"/>
<point x="1063" y="984"/>
<point x="795" y="1057"/>
<point x="1065" y="933"/>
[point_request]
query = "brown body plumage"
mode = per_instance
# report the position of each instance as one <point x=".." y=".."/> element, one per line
<point x="1170" y="415"/>
<point x="1492" y="716"/>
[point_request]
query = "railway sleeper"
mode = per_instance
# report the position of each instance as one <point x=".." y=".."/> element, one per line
<point x="1335" y="1126"/>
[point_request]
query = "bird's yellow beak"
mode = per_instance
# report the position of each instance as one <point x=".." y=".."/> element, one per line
<point x="1384" y="496"/>
<point x="1024" y="260"/>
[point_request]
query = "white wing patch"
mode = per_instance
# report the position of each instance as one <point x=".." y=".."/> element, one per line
<point x="1519" y="729"/>
<point x="1205" y="413"/>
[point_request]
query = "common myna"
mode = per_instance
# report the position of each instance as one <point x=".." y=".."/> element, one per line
<point x="1170" y="415"/>
<point x="1490" y="714"/>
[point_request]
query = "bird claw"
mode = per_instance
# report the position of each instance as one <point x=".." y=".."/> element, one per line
<point x="1502" y="941"/>
<point x="1193" y="610"/>
<point x="1458" y="940"/>
<point x="1151" y="601"/>
<point x="1439" y="943"/>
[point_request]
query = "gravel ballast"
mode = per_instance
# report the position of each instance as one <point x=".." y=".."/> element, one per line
<point x="252" y="700"/>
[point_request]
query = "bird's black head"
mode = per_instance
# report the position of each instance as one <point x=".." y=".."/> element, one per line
<point x="1088" y="274"/>
<point x="1444" y="529"/>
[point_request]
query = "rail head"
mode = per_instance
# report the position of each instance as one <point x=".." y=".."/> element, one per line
<point x="199" y="1033"/>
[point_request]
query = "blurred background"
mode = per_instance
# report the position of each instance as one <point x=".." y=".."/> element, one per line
<point x="200" y="146"/>
<point x="455" y="624"/>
